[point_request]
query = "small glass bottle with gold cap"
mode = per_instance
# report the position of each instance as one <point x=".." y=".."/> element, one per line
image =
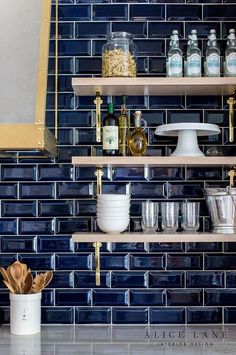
<point x="138" y="139"/>
<point x="124" y="128"/>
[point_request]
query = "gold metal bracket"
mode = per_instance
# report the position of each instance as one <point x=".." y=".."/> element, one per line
<point x="99" y="173"/>
<point x="98" y="102"/>
<point x="97" y="246"/>
<point x="232" y="175"/>
<point x="231" y="102"/>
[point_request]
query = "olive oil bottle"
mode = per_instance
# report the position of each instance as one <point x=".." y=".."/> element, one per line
<point x="124" y="127"/>
<point x="138" y="139"/>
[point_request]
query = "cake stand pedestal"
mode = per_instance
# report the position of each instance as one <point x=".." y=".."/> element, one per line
<point x="187" y="134"/>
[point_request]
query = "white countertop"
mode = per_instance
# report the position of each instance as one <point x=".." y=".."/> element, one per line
<point x="122" y="340"/>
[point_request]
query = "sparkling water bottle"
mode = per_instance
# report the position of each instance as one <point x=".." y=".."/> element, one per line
<point x="212" y="60"/>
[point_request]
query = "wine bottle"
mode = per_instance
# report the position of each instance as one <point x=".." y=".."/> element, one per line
<point x="124" y="127"/>
<point x="110" y="133"/>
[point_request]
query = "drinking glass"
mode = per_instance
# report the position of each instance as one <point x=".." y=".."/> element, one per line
<point x="170" y="215"/>
<point x="149" y="216"/>
<point x="190" y="216"/>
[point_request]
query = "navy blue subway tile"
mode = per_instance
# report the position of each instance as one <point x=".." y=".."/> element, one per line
<point x="203" y="102"/>
<point x="157" y="66"/>
<point x="153" y="117"/>
<point x="62" y="279"/>
<point x="74" y="118"/>
<point x="203" y="28"/>
<point x="129" y="247"/>
<point x="66" y="30"/>
<point x="8" y="226"/>
<point x="73" y="190"/>
<point x="15" y="244"/>
<point x="184" y="298"/>
<point x="86" y="279"/>
<point x="204" y="247"/>
<point x="73" y="298"/>
<point x="130" y="316"/>
<point x="88" y="65"/>
<point x="164" y="102"/>
<point x="146" y="190"/>
<point x="37" y="190"/>
<point x="85" y="208"/>
<point x="205" y="279"/>
<point x="4" y="298"/>
<point x="110" y="12"/>
<point x="219" y="12"/>
<point x="218" y="117"/>
<point x="90" y="315"/>
<point x="48" y="298"/>
<point x="88" y="173"/>
<point x="38" y="261"/>
<point x="73" y="48"/>
<point x="55" y="208"/>
<point x="18" y="209"/>
<point x="6" y="260"/>
<point x="73" y="13"/>
<point x="164" y="30"/>
<point x="184" y="261"/>
<point x="57" y="315"/>
<point x="220" y="297"/>
<point x="35" y="226"/>
<point x="8" y="190"/>
<point x="167" y="315"/>
<point x="166" y="173"/>
<point x="138" y="30"/>
<point x="88" y="247"/>
<point x="54" y="172"/>
<point x="147" y="262"/>
<point x="184" y="116"/>
<point x="91" y="29"/>
<point x="230" y="315"/>
<point x="113" y="188"/>
<point x="85" y="136"/>
<point x="73" y="261"/>
<point x="18" y="173"/>
<point x="4" y="315"/>
<point x="226" y="26"/>
<point x="54" y="244"/>
<point x="166" y="247"/>
<point x="135" y="225"/>
<point x="231" y="279"/>
<point x="110" y="298"/>
<point x="220" y="261"/>
<point x="72" y="225"/>
<point x="128" y="279"/>
<point x="147" y="298"/>
<point x="145" y="13"/>
<point x="186" y="190"/>
<point x="150" y="47"/>
<point x="166" y="279"/>
<point x="114" y="261"/>
<point x="65" y="154"/>
<point x="184" y="13"/>
<point x="204" y="174"/>
<point x="128" y="174"/>
<point x="204" y="315"/>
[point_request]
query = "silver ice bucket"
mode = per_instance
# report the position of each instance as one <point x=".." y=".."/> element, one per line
<point x="221" y="203"/>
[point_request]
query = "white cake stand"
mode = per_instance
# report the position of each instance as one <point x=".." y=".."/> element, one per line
<point x="187" y="136"/>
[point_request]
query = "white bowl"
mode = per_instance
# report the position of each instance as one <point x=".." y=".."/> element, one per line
<point x="112" y="216"/>
<point x="112" y="226"/>
<point x="113" y="197"/>
<point x="113" y="204"/>
<point x="113" y="209"/>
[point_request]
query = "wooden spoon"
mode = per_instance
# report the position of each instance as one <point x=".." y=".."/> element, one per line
<point x="38" y="283"/>
<point x="17" y="274"/>
<point x="4" y="274"/>
<point x="11" y="280"/>
<point x="9" y="286"/>
<point x="28" y="283"/>
<point x="47" y="278"/>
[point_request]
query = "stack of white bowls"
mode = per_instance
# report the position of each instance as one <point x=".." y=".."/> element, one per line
<point x="113" y="212"/>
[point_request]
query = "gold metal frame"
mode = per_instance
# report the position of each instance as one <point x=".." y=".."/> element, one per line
<point x="36" y="137"/>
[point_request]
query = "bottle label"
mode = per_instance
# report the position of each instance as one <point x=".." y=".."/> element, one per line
<point x="110" y="138"/>
<point x="194" y="64"/>
<point x="175" y="64"/>
<point x="231" y="63"/>
<point x="213" y="64"/>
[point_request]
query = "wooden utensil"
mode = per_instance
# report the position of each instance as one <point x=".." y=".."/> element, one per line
<point x="47" y="278"/>
<point x="17" y="274"/>
<point x="4" y="274"/>
<point x="28" y="283"/>
<point x="9" y="286"/>
<point x="11" y="280"/>
<point x="38" y="283"/>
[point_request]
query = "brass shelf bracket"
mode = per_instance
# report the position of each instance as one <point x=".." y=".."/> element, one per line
<point x="232" y="175"/>
<point x="231" y="102"/>
<point x="99" y="173"/>
<point x="98" y="102"/>
<point x="97" y="246"/>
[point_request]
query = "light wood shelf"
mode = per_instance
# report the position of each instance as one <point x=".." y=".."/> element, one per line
<point x="154" y="86"/>
<point x="156" y="238"/>
<point x="152" y="161"/>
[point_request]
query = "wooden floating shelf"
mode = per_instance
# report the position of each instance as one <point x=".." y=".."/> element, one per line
<point x="154" y="86"/>
<point x="153" y="161"/>
<point x="155" y="238"/>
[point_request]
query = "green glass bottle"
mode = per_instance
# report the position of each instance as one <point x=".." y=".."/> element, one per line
<point x="110" y="133"/>
<point x="124" y="127"/>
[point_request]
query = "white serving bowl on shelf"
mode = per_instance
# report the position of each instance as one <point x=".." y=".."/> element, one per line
<point x="113" y="197"/>
<point x="112" y="215"/>
<point x="113" y="226"/>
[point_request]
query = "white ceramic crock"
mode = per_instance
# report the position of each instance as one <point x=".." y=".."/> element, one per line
<point x="25" y="314"/>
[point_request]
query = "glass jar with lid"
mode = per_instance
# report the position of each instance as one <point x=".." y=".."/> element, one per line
<point x="119" y="56"/>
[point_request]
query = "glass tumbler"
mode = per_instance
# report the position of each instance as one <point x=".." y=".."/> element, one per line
<point x="170" y="216"/>
<point x="149" y="216"/>
<point x="190" y="216"/>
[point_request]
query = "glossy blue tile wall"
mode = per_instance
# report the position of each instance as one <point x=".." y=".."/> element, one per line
<point x="44" y="201"/>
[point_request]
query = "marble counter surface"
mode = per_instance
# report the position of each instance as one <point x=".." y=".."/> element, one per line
<point x="121" y="340"/>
